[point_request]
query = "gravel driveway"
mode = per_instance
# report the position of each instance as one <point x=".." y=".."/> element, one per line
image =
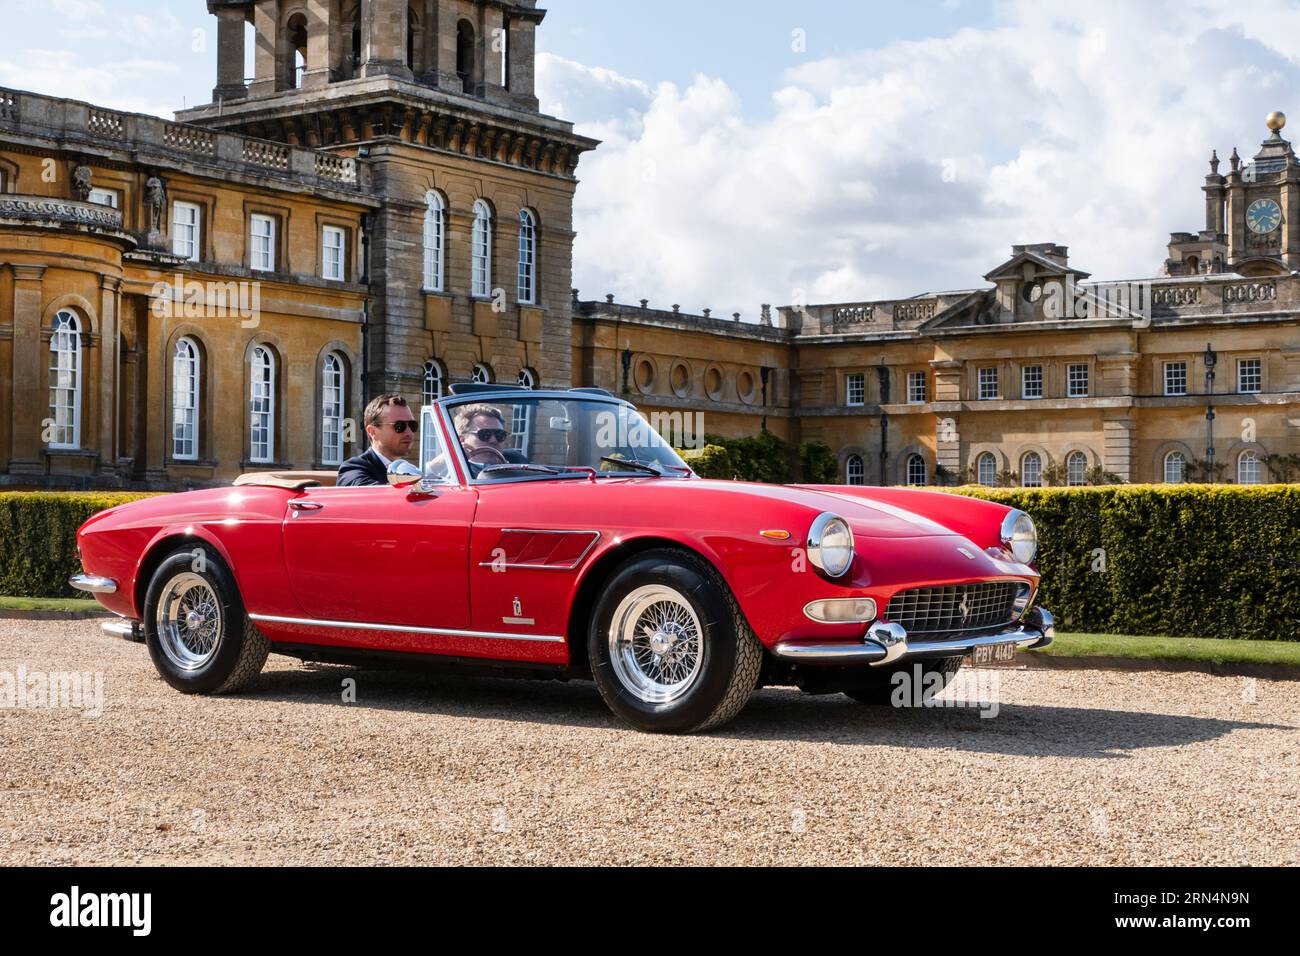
<point x="1078" y="767"/>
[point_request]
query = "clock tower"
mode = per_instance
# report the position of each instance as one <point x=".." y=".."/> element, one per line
<point x="1252" y="215"/>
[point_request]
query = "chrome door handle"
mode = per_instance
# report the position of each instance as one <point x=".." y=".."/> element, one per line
<point x="306" y="505"/>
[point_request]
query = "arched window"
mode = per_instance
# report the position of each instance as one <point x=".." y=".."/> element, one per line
<point x="465" y="55"/>
<point x="333" y="403"/>
<point x="1031" y="470"/>
<point x="297" y="33"/>
<point x="1175" y="468"/>
<point x="916" y="471"/>
<point x="482" y="251"/>
<point x="262" y="406"/>
<point x="527" y="257"/>
<point x="1076" y="467"/>
<point x="434" y="377"/>
<point x="435" y="240"/>
<point x="986" y="468"/>
<point x="65" y="382"/>
<point x="1248" y="470"/>
<point x="412" y="33"/>
<point x="482" y="374"/>
<point x="855" y="471"/>
<point x="526" y="378"/>
<point x="185" y="400"/>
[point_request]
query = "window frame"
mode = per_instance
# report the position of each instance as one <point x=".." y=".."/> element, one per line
<point x="340" y="406"/>
<point x="849" y="468"/>
<point x="326" y="230"/>
<point x="195" y="393"/>
<point x="69" y="331"/>
<point x="1182" y="468"/>
<point x="850" y="380"/>
<point x="527" y="258"/>
<point x="435" y="242"/>
<point x="981" y="381"/>
<point x="481" y="251"/>
<point x="196" y="255"/>
<point x="1082" y="371"/>
<point x="254" y="238"/>
<point x="1169" y="367"/>
<point x="1250" y="456"/>
<point x="113" y="194"/>
<point x="1025" y="471"/>
<point x="1025" y="391"/>
<point x="915" y="379"/>
<point x="253" y="398"/>
<point x="1258" y="364"/>
<point x="1069" y="471"/>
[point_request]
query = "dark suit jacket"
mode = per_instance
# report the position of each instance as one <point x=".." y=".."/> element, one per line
<point x="365" y="469"/>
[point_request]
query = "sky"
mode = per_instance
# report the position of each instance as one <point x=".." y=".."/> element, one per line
<point x="823" y="150"/>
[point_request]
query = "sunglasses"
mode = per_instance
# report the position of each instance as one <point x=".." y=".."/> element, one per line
<point x="401" y="427"/>
<point x="490" y="434"/>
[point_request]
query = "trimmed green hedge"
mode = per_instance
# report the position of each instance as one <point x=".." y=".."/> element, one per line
<point x="1186" y="560"/>
<point x="763" y="458"/>
<point x="38" y="538"/>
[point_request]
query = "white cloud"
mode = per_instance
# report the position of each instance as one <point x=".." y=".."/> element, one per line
<point x="916" y="166"/>
<point x="63" y="73"/>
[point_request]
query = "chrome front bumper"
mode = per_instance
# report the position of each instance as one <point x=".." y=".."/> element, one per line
<point x="887" y="643"/>
<point x="93" y="584"/>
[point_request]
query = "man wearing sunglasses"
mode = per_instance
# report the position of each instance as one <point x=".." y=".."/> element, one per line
<point x="483" y="435"/>
<point x="392" y="430"/>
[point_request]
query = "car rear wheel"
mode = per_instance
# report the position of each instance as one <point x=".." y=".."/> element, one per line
<point x="879" y="686"/>
<point x="198" y="635"/>
<point x="670" y="650"/>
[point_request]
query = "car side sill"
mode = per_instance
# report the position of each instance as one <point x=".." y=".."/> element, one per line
<point x="404" y="629"/>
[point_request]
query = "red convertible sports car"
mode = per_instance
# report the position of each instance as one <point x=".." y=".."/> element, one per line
<point x="585" y="549"/>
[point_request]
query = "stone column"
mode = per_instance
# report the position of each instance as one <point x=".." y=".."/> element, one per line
<point x="109" y="338"/>
<point x="319" y="54"/>
<point x="521" y="55"/>
<point x="444" y="57"/>
<point x="492" y="59"/>
<point x="267" y="72"/>
<point x="230" y="53"/>
<point x="29" y="406"/>
<point x="383" y="38"/>
<point x="1290" y="202"/>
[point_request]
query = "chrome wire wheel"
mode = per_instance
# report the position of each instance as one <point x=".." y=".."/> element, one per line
<point x="655" y="644"/>
<point x="189" y="621"/>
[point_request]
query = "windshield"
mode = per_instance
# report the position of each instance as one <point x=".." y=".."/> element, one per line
<point x="537" y="437"/>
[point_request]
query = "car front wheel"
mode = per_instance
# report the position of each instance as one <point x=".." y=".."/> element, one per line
<point x="670" y="650"/>
<point x="198" y="635"/>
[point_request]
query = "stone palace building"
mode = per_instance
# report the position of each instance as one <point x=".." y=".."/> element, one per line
<point x="383" y="207"/>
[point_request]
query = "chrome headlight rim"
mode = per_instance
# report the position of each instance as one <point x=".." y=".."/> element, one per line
<point x="1019" y="535"/>
<point x="823" y="524"/>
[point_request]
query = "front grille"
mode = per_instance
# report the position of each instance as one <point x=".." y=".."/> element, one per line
<point x="954" y="607"/>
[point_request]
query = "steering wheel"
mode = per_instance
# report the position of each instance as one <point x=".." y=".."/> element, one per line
<point x="487" y="455"/>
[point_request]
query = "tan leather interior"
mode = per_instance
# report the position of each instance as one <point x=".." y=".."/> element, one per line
<point x="296" y="480"/>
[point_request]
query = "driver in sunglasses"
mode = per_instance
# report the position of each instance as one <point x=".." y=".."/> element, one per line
<point x="392" y="430"/>
<point x="483" y="434"/>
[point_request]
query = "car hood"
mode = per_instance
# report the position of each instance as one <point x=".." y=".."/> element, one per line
<point x="871" y="519"/>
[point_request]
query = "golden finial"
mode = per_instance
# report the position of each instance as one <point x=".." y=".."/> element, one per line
<point x="1276" y="120"/>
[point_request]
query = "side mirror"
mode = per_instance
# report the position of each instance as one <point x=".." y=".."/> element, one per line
<point x="402" y="474"/>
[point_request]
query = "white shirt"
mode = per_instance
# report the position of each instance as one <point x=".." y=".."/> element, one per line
<point x="380" y="456"/>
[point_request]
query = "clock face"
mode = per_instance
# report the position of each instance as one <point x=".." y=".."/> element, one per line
<point x="1263" y="216"/>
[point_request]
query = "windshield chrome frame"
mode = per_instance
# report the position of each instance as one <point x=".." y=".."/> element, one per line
<point x="446" y="407"/>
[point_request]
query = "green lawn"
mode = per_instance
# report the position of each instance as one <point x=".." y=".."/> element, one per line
<point x="50" y="604"/>
<point x="1174" y="648"/>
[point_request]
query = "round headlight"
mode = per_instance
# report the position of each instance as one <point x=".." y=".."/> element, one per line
<point x="1019" y="536"/>
<point x="830" y="544"/>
